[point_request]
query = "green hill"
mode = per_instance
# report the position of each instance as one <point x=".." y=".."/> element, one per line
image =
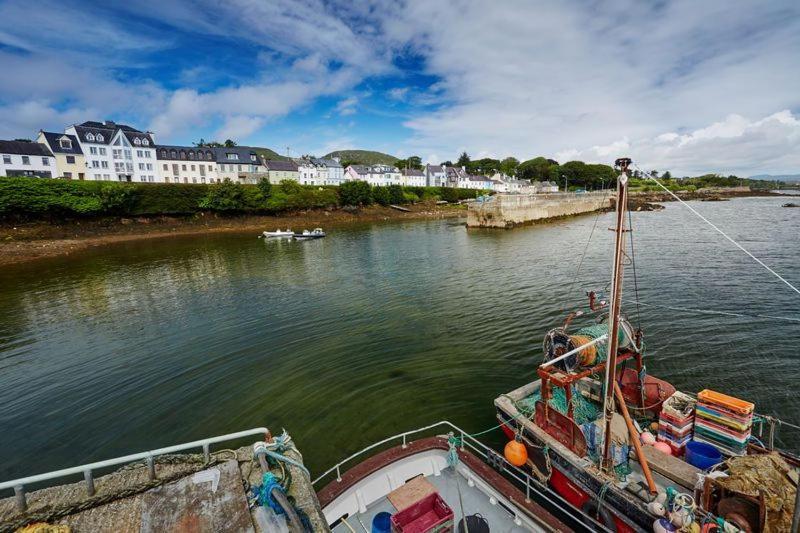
<point x="270" y="154"/>
<point x="363" y="157"/>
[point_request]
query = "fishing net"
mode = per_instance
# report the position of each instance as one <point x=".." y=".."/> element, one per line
<point x="584" y="410"/>
<point x="768" y="474"/>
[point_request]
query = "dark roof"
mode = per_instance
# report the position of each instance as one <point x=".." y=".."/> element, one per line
<point x="326" y="162"/>
<point x="244" y="153"/>
<point x="82" y="131"/>
<point x="290" y="166"/>
<point x="360" y="169"/>
<point x="24" y="148"/>
<point x="166" y="152"/>
<point x="412" y="172"/>
<point x="435" y="168"/>
<point x="52" y="139"/>
<point x="132" y="135"/>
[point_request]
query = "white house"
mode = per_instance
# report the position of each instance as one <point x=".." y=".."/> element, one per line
<point x="435" y="176"/>
<point x="328" y="171"/>
<point x="116" y="152"/>
<point x="24" y="158"/>
<point x="306" y="171"/>
<point x="240" y="164"/>
<point x="377" y="175"/>
<point x="186" y="164"/>
<point x="544" y="186"/>
<point x="413" y="178"/>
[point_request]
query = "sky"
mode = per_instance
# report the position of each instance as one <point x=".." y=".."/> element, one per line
<point x="685" y="86"/>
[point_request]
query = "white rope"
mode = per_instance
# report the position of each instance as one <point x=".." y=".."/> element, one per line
<point x="712" y="312"/>
<point x="756" y="259"/>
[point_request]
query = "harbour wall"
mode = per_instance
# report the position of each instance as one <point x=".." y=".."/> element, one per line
<point x="509" y="210"/>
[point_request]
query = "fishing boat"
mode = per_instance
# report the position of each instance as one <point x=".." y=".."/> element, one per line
<point x="674" y="460"/>
<point x="317" y="233"/>
<point x="278" y="233"/>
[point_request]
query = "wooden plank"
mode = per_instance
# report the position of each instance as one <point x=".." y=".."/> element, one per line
<point x="410" y="493"/>
<point x="672" y="467"/>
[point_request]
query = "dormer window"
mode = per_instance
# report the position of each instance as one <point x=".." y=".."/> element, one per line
<point x="137" y="141"/>
<point x="163" y="154"/>
<point x="65" y="143"/>
<point x="208" y="156"/>
<point x="99" y="137"/>
<point x="191" y="155"/>
<point x="173" y="154"/>
<point x="232" y="156"/>
<point x="183" y="154"/>
<point x="252" y="157"/>
<point x="90" y="137"/>
<point x="145" y="142"/>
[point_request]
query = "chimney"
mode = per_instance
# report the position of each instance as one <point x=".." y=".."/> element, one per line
<point x="109" y="123"/>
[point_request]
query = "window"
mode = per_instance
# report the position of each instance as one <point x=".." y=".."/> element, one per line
<point x="147" y="154"/>
<point x="202" y="170"/>
<point x="240" y="168"/>
<point x="137" y="141"/>
<point x="145" y="142"/>
<point x="139" y="153"/>
<point x="141" y="166"/>
<point x="185" y="179"/>
<point x="202" y="180"/>
<point x="97" y="177"/>
<point x="70" y="159"/>
<point x="107" y="177"/>
<point x="150" y="178"/>
<point x="65" y="143"/>
<point x="102" y="150"/>
<point x="166" y="166"/>
<point x="104" y="164"/>
<point x="252" y="157"/>
<point x="117" y="153"/>
<point x="129" y="167"/>
<point x="194" y="180"/>
<point x="183" y="167"/>
<point x="164" y="154"/>
<point x="118" y="142"/>
<point x="128" y="154"/>
<point x="149" y="166"/>
<point x="143" y="178"/>
<point x="7" y="159"/>
<point x="93" y="150"/>
<point x="119" y="166"/>
<point x="208" y="156"/>
<point x="191" y="155"/>
<point x="68" y="175"/>
<point x="100" y="137"/>
<point x="232" y="156"/>
<point x="90" y="137"/>
<point x="166" y="179"/>
<point x="174" y="168"/>
<point x="95" y="164"/>
<point x="192" y="168"/>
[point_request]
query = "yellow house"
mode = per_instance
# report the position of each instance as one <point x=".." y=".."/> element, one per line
<point x="70" y="162"/>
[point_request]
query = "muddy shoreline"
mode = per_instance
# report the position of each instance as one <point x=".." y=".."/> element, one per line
<point x="28" y="241"/>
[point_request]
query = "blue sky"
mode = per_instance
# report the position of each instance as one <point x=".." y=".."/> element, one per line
<point x="686" y="86"/>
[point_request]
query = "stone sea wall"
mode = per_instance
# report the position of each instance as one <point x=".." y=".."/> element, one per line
<point x="509" y="210"/>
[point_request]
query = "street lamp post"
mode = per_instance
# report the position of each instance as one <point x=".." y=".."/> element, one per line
<point x="566" y="187"/>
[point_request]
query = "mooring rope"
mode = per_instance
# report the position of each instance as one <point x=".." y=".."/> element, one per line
<point x="704" y="219"/>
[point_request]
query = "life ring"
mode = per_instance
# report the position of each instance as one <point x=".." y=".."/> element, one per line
<point x="600" y="514"/>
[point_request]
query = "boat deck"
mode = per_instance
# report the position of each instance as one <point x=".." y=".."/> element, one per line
<point x="448" y="484"/>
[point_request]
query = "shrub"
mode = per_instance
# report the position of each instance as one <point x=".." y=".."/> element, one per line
<point x="355" y="193"/>
<point x="167" y="198"/>
<point x="226" y="196"/>
<point x="290" y="187"/>
<point x="450" y="195"/>
<point x="410" y="198"/>
<point x="396" y="194"/>
<point x="381" y="195"/>
<point x="265" y="187"/>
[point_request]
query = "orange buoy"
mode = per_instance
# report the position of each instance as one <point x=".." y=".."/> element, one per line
<point x="515" y="453"/>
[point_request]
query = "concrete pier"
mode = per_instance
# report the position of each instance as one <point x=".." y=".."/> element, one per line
<point x="509" y="210"/>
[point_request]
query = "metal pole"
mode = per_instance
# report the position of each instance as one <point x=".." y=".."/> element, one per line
<point x="614" y="312"/>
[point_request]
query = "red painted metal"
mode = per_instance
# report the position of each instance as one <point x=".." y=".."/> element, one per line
<point x="560" y="427"/>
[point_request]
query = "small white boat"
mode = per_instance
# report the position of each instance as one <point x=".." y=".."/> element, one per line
<point x="278" y="233"/>
<point x="316" y="234"/>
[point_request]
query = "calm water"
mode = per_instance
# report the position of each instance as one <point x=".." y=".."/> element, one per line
<point x="374" y="330"/>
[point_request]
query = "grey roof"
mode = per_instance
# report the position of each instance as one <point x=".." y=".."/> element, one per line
<point x="132" y="135"/>
<point x="326" y="162"/>
<point x="435" y="168"/>
<point x="165" y="152"/>
<point x="479" y="178"/>
<point x="24" y="148"/>
<point x="288" y="166"/>
<point x="412" y="172"/>
<point x="52" y="139"/>
<point x="360" y="169"/>
<point x="83" y="131"/>
<point x="108" y="129"/>
<point x="244" y="153"/>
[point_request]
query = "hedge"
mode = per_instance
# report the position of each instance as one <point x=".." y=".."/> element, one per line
<point x="24" y="197"/>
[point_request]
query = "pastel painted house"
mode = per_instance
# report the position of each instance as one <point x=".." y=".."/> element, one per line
<point x="25" y="158"/>
<point x="186" y="164"/>
<point x="66" y="149"/>
<point x="239" y="164"/>
<point x="282" y="170"/>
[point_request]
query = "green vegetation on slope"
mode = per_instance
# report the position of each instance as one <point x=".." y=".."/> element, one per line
<point x="363" y="157"/>
<point x="270" y="155"/>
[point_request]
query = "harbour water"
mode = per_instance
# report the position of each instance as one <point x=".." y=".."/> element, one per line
<point x="374" y="330"/>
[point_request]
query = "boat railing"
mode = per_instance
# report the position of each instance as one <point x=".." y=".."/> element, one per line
<point x="532" y="485"/>
<point x="149" y="457"/>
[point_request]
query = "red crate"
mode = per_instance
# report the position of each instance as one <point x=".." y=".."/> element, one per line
<point x="431" y="513"/>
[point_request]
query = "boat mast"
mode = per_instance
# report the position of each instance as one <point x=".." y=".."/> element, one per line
<point x="614" y="310"/>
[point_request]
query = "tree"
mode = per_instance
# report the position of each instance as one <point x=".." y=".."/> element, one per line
<point x="463" y="160"/>
<point x="381" y="195"/>
<point x="23" y="140"/>
<point x="202" y="143"/>
<point x="447" y="163"/>
<point x="355" y="193"/>
<point x="230" y="144"/>
<point x="667" y="175"/>
<point x="265" y="187"/>
<point x="415" y="162"/>
<point x="290" y="187"/>
<point x="225" y="196"/>
<point x="508" y="166"/>
<point x="537" y="169"/>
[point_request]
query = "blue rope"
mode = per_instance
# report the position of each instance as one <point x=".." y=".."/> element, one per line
<point x="263" y="492"/>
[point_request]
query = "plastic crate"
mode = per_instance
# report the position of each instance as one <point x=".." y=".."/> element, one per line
<point x="431" y="513"/>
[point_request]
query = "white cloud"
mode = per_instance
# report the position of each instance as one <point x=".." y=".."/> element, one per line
<point x="733" y="145"/>
<point x="347" y="106"/>
<point x="398" y="93"/>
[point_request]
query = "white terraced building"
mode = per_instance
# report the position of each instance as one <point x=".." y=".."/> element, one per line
<point x="116" y="152"/>
<point x="23" y="158"/>
<point x="186" y="164"/>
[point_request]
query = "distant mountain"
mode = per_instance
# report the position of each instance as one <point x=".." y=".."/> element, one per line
<point x="270" y="154"/>
<point x="771" y="177"/>
<point x="364" y="157"/>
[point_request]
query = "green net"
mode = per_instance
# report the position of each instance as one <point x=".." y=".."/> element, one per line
<point x="584" y="410"/>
